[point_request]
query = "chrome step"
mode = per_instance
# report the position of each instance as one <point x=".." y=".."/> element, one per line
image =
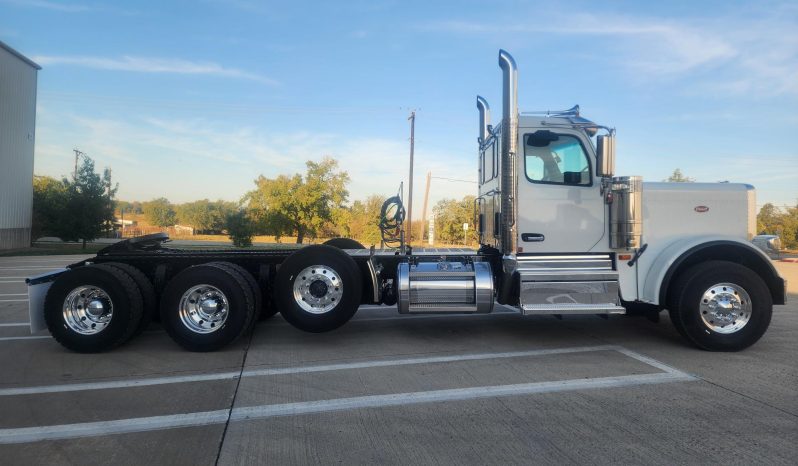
<point x="570" y="309"/>
<point x="568" y="284"/>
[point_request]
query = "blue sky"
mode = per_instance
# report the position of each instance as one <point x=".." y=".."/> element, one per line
<point x="190" y="100"/>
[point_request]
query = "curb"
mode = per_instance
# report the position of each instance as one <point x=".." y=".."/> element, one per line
<point x="793" y="260"/>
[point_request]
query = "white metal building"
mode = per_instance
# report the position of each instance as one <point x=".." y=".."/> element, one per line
<point x="18" y="76"/>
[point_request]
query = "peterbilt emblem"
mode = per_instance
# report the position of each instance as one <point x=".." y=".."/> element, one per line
<point x="701" y="209"/>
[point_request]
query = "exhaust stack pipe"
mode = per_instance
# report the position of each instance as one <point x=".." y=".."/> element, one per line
<point x="484" y="119"/>
<point x="509" y="185"/>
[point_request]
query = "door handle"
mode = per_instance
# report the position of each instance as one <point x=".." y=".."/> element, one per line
<point x="532" y="237"/>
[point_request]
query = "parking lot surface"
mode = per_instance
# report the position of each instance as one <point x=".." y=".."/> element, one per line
<point x="385" y="388"/>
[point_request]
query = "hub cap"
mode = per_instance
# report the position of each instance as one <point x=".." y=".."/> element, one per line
<point x="318" y="289"/>
<point x="204" y="309"/>
<point x="88" y="310"/>
<point x="725" y="308"/>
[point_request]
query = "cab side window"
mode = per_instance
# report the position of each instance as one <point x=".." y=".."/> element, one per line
<point x="551" y="158"/>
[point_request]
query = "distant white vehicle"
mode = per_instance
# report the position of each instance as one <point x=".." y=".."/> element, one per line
<point x="770" y="244"/>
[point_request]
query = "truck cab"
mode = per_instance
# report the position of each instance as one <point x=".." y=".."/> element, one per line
<point x="576" y="239"/>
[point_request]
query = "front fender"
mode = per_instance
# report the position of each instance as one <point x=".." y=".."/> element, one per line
<point x="668" y="261"/>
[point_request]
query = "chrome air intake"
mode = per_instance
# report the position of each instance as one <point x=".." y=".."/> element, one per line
<point x="626" y="212"/>
<point x="442" y="287"/>
<point x="484" y="119"/>
<point x="509" y="151"/>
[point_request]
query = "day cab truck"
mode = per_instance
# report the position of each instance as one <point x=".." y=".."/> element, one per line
<point x="559" y="234"/>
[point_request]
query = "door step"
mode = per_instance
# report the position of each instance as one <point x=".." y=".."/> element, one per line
<point x="569" y="284"/>
<point x="570" y="309"/>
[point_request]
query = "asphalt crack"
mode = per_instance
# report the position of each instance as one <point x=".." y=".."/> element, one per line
<point x="235" y="395"/>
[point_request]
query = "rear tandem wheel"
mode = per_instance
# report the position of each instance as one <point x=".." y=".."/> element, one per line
<point x="206" y="307"/>
<point x="93" y="308"/>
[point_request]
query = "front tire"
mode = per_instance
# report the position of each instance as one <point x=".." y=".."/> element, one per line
<point x="721" y="306"/>
<point x="318" y="288"/>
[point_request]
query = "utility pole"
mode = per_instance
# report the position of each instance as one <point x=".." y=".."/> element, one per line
<point x="412" y="119"/>
<point x="77" y="155"/>
<point x="424" y="210"/>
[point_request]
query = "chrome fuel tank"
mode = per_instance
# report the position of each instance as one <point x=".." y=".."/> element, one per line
<point x="443" y="287"/>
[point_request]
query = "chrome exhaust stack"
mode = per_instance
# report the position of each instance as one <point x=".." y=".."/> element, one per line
<point x="509" y="150"/>
<point x="484" y="119"/>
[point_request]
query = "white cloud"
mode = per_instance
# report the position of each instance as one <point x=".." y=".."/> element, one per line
<point x="49" y="5"/>
<point x="737" y="55"/>
<point x="152" y="65"/>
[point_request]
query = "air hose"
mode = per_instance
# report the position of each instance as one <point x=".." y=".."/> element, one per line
<point x="392" y="216"/>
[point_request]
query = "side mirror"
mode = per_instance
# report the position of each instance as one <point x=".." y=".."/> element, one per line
<point x="605" y="155"/>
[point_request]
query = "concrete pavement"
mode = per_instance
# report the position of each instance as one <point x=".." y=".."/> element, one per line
<point x="386" y="388"/>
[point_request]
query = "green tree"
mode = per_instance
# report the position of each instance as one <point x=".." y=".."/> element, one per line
<point x="450" y="215"/>
<point x="364" y="222"/>
<point x="678" y="177"/>
<point x="49" y="202"/>
<point x="773" y="221"/>
<point x="301" y="205"/>
<point x="88" y="209"/>
<point x="204" y="215"/>
<point x="769" y="219"/>
<point x="240" y="228"/>
<point x="160" y="212"/>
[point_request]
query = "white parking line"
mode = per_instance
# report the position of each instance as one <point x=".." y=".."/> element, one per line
<point x="13" y="294"/>
<point x="15" y="324"/>
<point x="456" y="394"/>
<point x="91" y="429"/>
<point x="143" y="424"/>
<point x="292" y="370"/>
<point x="13" y="300"/>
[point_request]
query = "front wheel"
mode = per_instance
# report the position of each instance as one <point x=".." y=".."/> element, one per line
<point x="318" y="288"/>
<point x="721" y="306"/>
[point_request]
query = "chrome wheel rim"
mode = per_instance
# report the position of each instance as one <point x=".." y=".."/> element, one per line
<point x="88" y="310"/>
<point x="725" y="308"/>
<point x="204" y="309"/>
<point x="318" y="289"/>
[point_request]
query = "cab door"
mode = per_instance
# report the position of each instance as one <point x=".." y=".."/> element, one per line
<point x="560" y="207"/>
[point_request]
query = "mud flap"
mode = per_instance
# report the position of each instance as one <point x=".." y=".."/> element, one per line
<point x="37" y="290"/>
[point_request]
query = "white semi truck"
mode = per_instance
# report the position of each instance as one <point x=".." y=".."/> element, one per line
<point x="559" y="234"/>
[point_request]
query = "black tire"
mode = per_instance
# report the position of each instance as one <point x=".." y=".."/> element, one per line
<point x="241" y="307"/>
<point x="688" y="291"/>
<point x="673" y="312"/>
<point x="344" y="243"/>
<point x="264" y="308"/>
<point x="147" y="293"/>
<point x="257" y="294"/>
<point x="126" y="301"/>
<point x="345" y="305"/>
